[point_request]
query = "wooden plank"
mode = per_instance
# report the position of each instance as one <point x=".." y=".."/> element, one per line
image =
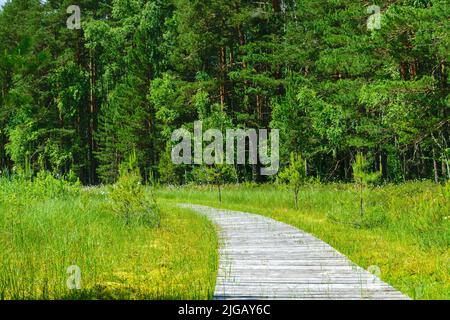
<point x="261" y="258"/>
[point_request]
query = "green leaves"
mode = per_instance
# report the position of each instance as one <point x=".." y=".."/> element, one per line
<point x="128" y="196"/>
<point x="361" y="172"/>
<point x="294" y="175"/>
<point x="140" y="69"/>
<point x="363" y="178"/>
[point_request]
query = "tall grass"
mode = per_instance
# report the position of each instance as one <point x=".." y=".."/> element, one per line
<point x="405" y="229"/>
<point x="44" y="230"/>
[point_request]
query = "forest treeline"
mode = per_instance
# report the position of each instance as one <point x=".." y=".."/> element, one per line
<point x="76" y="102"/>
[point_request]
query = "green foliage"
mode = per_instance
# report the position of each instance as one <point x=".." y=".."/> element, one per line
<point x="77" y="101"/>
<point x="128" y="196"/>
<point x="363" y="177"/>
<point x="23" y="187"/>
<point x="169" y="173"/>
<point x="217" y="174"/>
<point x="74" y="102"/>
<point x="294" y="175"/>
<point x="361" y="171"/>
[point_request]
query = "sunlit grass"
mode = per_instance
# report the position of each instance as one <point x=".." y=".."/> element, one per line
<point x="44" y="229"/>
<point x="40" y="237"/>
<point x="405" y="231"/>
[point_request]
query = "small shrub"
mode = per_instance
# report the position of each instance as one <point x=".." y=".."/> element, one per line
<point x="45" y="184"/>
<point x="218" y="175"/>
<point x="294" y="175"/>
<point x="23" y="188"/>
<point x="129" y="199"/>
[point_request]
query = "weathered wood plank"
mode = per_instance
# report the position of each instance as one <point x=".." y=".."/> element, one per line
<point x="261" y="258"/>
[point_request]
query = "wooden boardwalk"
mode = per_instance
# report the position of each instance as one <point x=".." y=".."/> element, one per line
<point x="261" y="258"/>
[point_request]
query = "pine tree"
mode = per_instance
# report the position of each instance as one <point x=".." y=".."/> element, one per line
<point x="294" y="175"/>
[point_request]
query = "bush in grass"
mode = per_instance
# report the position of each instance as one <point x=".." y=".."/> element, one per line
<point x="169" y="173"/>
<point x="45" y="184"/>
<point x="294" y="175"/>
<point x="128" y="196"/>
<point x="217" y="174"/>
<point x="22" y="187"/>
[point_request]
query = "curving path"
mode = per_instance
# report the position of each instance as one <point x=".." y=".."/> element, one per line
<point x="261" y="258"/>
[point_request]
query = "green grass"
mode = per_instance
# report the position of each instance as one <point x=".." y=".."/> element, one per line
<point x="47" y="226"/>
<point x="44" y="229"/>
<point x="405" y="230"/>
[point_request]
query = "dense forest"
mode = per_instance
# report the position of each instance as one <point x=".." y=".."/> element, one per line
<point x="75" y="102"/>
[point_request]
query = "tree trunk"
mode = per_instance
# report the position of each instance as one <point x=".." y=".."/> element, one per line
<point x="222" y="58"/>
<point x="435" y="166"/>
<point x="404" y="165"/>
<point x="445" y="115"/>
<point x="276" y="4"/>
<point x="403" y="71"/>
<point x="384" y="165"/>
<point x="448" y="169"/>
<point x="91" y="119"/>
<point x="413" y="70"/>
<point x="296" y="199"/>
<point x="361" y="201"/>
<point x="241" y="43"/>
<point x="306" y="168"/>
<point x="443" y="169"/>
<point x="259" y="107"/>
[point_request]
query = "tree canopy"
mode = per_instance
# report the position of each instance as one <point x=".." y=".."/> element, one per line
<point x="78" y="101"/>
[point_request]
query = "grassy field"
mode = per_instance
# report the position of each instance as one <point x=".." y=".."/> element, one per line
<point x="405" y="230"/>
<point x="46" y="227"/>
